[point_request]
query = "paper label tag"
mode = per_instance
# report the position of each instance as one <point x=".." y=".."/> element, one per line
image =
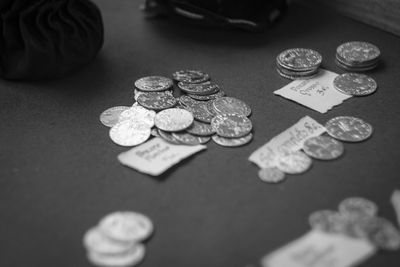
<point x="290" y="140"/>
<point x="156" y="156"/>
<point x="317" y="93"/>
<point x="319" y="249"/>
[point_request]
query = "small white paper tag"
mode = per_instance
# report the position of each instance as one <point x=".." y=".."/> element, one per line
<point x="156" y="156"/>
<point x="317" y="93"/>
<point x="319" y="249"/>
<point x="290" y="140"/>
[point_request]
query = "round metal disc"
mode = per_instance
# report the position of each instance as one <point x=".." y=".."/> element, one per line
<point x="323" y="147"/>
<point x="153" y="83"/>
<point x="173" y="120"/>
<point x="355" y="84"/>
<point x="349" y="129"/>
<point x="231" y="125"/>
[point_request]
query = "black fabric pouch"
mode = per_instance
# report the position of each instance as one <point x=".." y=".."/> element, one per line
<point x="47" y="39"/>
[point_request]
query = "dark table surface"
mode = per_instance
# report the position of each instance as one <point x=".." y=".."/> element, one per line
<point x="59" y="173"/>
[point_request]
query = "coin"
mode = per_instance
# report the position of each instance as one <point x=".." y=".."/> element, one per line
<point x="153" y="83"/>
<point x="329" y="221"/>
<point x="354" y="68"/>
<point x="94" y="240"/>
<point x="382" y="233"/>
<point x="167" y="136"/>
<point x="231" y="125"/>
<point x="297" y="77"/>
<point x="271" y="175"/>
<point x="358" y="207"/>
<point x="216" y="95"/>
<point x="232" y="142"/>
<point x="130" y="258"/>
<point x="231" y="105"/>
<point x="349" y="129"/>
<point x="201" y="112"/>
<point x="355" y="84"/>
<point x="157" y="100"/>
<point x="126" y="226"/>
<point x="323" y="147"/>
<point x="294" y="163"/>
<point x="299" y="59"/>
<point x="189" y="139"/>
<point x="139" y="114"/>
<point x="129" y="133"/>
<point x="190" y="76"/>
<point x="187" y="101"/>
<point x="110" y="116"/>
<point x="154" y="132"/>
<point x="358" y="52"/>
<point x="200" y="129"/>
<point x="205" y="88"/>
<point x="173" y="120"/>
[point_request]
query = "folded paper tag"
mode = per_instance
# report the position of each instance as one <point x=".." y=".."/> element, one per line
<point x="288" y="141"/>
<point x="317" y="93"/>
<point x="319" y="249"/>
<point x="156" y="156"/>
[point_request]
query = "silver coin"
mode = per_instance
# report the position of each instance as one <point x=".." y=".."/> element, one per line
<point x="294" y="163"/>
<point x="153" y="83"/>
<point x="349" y="129"/>
<point x="126" y="226"/>
<point x="187" y="101"/>
<point x="297" y="77"/>
<point x="323" y="147"/>
<point x="137" y="93"/>
<point x="157" y="100"/>
<point x="110" y="116"/>
<point x="173" y="120"/>
<point x="167" y="136"/>
<point x="129" y="133"/>
<point x="329" y="221"/>
<point x="358" y="207"/>
<point x="355" y="84"/>
<point x="299" y="59"/>
<point x="231" y="105"/>
<point x="200" y="129"/>
<point x="139" y="114"/>
<point x="218" y="94"/>
<point x="189" y="139"/>
<point x="358" y="52"/>
<point x="352" y="68"/>
<point x="191" y="76"/>
<point x="232" y="142"/>
<point x="382" y="233"/>
<point x="95" y="240"/>
<point x="296" y="73"/>
<point x="130" y="258"/>
<point x="201" y="112"/>
<point x="231" y="125"/>
<point x="271" y="175"/>
<point x="205" y="88"/>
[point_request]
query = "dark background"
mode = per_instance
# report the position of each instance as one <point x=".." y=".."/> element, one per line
<point x="59" y="172"/>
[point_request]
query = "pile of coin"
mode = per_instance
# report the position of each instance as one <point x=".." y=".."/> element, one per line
<point x="357" y="56"/>
<point x="117" y="240"/>
<point x="357" y="218"/>
<point x="298" y="63"/>
<point x="342" y="128"/>
<point x="201" y="111"/>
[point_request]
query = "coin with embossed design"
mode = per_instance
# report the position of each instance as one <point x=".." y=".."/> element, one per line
<point x="189" y="139"/>
<point x="129" y="133"/>
<point x="205" y="88"/>
<point x="231" y="105"/>
<point x="382" y="233"/>
<point x="153" y="83"/>
<point x="200" y="129"/>
<point x="216" y="95"/>
<point x="358" y="52"/>
<point x="201" y="112"/>
<point x="355" y="84"/>
<point x="157" y="100"/>
<point x="271" y="175"/>
<point x="232" y="142"/>
<point x="139" y="114"/>
<point x="231" y="125"/>
<point x="110" y="116"/>
<point x="294" y="163"/>
<point x="349" y="129"/>
<point x="323" y="147"/>
<point x="173" y="119"/>
<point x="191" y="76"/>
<point x="299" y="59"/>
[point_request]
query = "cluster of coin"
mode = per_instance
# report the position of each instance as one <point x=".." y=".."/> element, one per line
<point x="201" y="112"/>
<point x="357" y="56"/>
<point x="118" y="239"/>
<point x="298" y="63"/>
<point x="357" y="217"/>
<point x="343" y="128"/>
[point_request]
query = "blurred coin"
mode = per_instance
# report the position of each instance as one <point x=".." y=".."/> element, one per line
<point x="189" y="139"/>
<point x="200" y="129"/>
<point x="173" y="120"/>
<point x="110" y="116"/>
<point x="271" y="175"/>
<point x="395" y="199"/>
<point x="355" y="84"/>
<point x="294" y="163"/>
<point x="94" y="240"/>
<point x="232" y="142"/>
<point x="131" y="258"/>
<point x="129" y="133"/>
<point x="231" y="105"/>
<point x="323" y="147"/>
<point x="299" y="59"/>
<point x="349" y="129"/>
<point x="329" y="221"/>
<point x="190" y="76"/>
<point x="153" y="83"/>
<point x="358" y="207"/>
<point x="231" y="125"/>
<point x="126" y="226"/>
<point x="358" y="52"/>
<point x="187" y="101"/>
<point x="157" y="100"/>
<point x="201" y="112"/>
<point x="154" y="132"/>
<point x="167" y="136"/>
<point x="139" y="114"/>
<point x="216" y="95"/>
<point x="205" y="88"/>
<point x="382" y="233"/>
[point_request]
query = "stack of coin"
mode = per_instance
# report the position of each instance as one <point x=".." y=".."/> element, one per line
<point x="357" y="56"/>
<point x="118" y="239"/>
<point x="298" y="63"/>
<point x="357" y="218"/>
